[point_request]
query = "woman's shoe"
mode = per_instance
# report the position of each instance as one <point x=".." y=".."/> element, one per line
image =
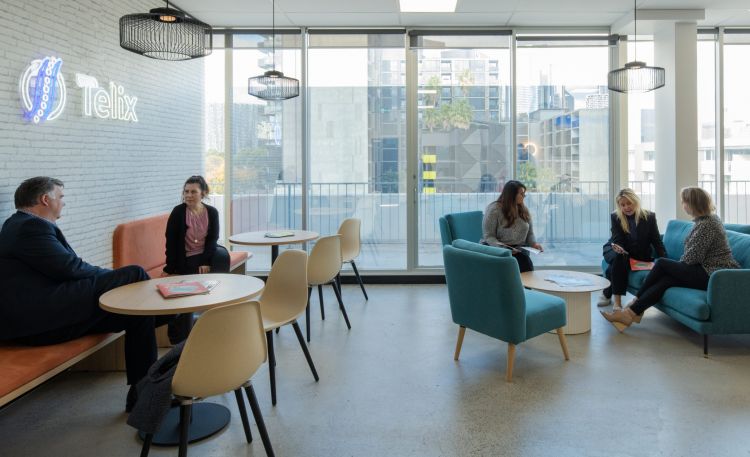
<point x="603" y="301"/>
<point x="636" y="317"/>
<point x="620" y="319"/>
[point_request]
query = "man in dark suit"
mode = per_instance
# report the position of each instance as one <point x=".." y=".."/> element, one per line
<point x="49" y="295"/>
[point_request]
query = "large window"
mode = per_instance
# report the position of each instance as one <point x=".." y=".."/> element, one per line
<point x="562" y="144"/>
<point x="214" y="152"/>
<point x="707" y="140"/>
<point x="357" y="106"/>
<point x="464" y="131"/>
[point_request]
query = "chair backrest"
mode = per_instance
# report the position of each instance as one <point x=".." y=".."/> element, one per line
<point x="463" y="226"/>
<point x="286" y="287"/>
<point x="224" y="349"/>
<point x="325" y="260"/>
<point x="485" y="291"/>
<point x="350" y="238"/>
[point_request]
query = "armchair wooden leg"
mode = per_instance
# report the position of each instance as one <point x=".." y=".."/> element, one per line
<point x="509" y="367"/>
<point x="461" y="332"/>
<point x="563" y="343"/>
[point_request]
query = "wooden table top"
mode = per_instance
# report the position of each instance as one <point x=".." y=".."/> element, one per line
<point x="142" y="298"/>
<point x="259" y="239"/>
<point x="539" y="280"/>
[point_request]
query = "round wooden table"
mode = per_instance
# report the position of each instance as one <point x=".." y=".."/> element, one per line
<point x="259" y="238"/>
<point x="142" y="298"/>
<point x="577" y="297"/>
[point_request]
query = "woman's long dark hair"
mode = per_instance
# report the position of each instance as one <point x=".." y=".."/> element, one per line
<point x="507" y="203"/>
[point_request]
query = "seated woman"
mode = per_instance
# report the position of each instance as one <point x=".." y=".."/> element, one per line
<point x="192" y="232"/>
<point x="706" y="250"/>
<point x="634" y="234"/>
<point x="507" y="223"/>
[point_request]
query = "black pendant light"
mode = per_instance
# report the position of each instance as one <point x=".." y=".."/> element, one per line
<point x="636" y="76"/>
<point x="273" y="85"/>
<point x="165" y="34"/>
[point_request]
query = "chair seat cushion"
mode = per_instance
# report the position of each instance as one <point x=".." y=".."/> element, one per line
<point x="236" y="258"/>
<point x="690" y="302"/>
<point x="544" y="312"/>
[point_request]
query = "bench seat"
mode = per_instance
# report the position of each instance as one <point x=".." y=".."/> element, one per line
<point x="25" y="367"/>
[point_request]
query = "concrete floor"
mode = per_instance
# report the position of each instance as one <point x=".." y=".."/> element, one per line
<point x="390" y="387"/>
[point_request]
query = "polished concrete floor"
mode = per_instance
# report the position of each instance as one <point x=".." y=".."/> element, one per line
<point x="390" y="387"/>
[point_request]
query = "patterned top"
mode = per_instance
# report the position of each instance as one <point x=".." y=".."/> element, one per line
<point x="707" y="245"/>
<point x="495" y="232"/>
<point x="195" y="235"/>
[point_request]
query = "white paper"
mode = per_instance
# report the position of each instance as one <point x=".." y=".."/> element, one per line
<point x="531" y="250"/>
<point x="568" y="281"/>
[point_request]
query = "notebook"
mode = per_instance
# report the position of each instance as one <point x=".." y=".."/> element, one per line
<point x="186" y="288"/>
<point x="639" y="265"/>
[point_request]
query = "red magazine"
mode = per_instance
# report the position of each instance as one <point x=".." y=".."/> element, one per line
<point x="181" y="289"/>
<point x="639" y="265"/>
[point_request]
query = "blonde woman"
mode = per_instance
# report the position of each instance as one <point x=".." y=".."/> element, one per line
<point x="706" y="250"/>
<point x="634" y="235"/>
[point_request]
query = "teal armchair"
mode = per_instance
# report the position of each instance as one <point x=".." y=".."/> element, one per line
<point x="461" y="226"/>
<point x="487" y="296"/>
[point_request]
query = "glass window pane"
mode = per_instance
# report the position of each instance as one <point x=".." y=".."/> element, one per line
<point x="562" y="146"/>
<point x="213" y="130"/>
<point x="736" y="129"/>
<point x="358" y="144"/>
<point x="642" y="131"/>
<point x="464" y="138"/>
<point x="707" y="112"/>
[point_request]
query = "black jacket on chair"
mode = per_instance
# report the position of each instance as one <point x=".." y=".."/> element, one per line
<point x="648" y="238"/>
<point x="44" y="285"/>
<point x="176" y="229"/>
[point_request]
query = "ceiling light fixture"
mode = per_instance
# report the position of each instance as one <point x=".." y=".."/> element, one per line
<point x="428" y="6"/>
<point x="165" y="34"/>
<point x="273" y="85"/>
<point x="636" y="76"/>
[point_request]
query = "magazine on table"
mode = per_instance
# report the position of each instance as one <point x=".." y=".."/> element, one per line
<point x="279" y="234"/>
<point x="640" y="265"/>
<point x="563" y="280"/>
<point x="186" y="288"/>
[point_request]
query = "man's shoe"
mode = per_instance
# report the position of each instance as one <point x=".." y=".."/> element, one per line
<point x="603" y="301"/>
<point x="131" y="399"/>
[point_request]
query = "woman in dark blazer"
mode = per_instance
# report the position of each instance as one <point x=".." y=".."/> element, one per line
<point x="192" y="233"/>
<point x="635" y="235"/>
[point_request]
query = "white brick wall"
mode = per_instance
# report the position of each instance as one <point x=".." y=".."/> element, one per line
<point x="114" y="171"/>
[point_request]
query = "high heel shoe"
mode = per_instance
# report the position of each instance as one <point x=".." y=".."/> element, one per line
<point x="619" y="319"/>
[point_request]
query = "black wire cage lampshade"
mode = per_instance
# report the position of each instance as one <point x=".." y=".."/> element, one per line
<point x="165" y="34"/>
<point x="273" y="85"/>
<point x="636" y="76"/>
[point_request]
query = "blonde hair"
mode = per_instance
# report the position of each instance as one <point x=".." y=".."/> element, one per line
<point x="639" y="213"/>
<point x="698" y="200"/>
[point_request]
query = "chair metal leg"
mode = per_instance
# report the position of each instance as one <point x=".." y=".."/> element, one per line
<point x="705" y="346"/>
<point x="359" y="279"/>
<point x="243" y="414"/>
<point x="320" y="298"/>
<point x="146" y="444"/>
<point x="341" y="304"/>
<point x="259" y="420"/>
<point x="563" y="343"/>
<point x="509" y="366"/>
<point x="307" y="313"/>
<point x="271" y="366"/>
<point x="184" y="428"/>
<point x="301" y="340"/>
<point x="460" y="341"/>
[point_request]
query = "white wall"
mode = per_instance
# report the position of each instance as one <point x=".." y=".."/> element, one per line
<point x="114" y="171"/>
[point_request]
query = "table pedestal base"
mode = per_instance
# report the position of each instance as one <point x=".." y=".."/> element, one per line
<point x="578" y="311"/>
<point x="206" y="420"/>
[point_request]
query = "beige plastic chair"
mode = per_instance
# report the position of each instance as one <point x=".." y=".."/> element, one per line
<point x="284" y="299"/>
<point x="224" y="350"/>
<point x="350" y="246"/>
<point x="323" y="268"/>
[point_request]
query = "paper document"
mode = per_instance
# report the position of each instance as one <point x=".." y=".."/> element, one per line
<point x="281" y="234"/>
<point x="568" y="280"/>
<point x="530" y="249"/>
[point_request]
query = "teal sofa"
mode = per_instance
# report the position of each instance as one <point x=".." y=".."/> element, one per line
<point x="723" y="308"/>
<point x="486" y="295"/>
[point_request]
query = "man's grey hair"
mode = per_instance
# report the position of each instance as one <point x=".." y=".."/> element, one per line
<point x="28" y="193"/>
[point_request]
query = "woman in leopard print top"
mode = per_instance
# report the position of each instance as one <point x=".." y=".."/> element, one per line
<point x="706" y="250"/>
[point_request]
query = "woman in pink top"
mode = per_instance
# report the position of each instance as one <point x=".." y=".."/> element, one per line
<point x="192" y="232"/>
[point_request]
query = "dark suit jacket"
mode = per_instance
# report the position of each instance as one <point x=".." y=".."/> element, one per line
<point x="176" y="229"/>
<point x="44" y="285"/>
<point x="648" y="240"/>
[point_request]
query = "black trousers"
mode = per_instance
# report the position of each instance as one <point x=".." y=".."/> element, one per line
<point x="219" y="262"/>
<point x="140" y="340"/>
<point x="617" y="272"/>
<point x="524" y="261"/>
<point x="665" y="274"/>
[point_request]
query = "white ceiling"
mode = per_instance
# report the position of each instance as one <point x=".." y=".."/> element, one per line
<point x="380" y="13"/>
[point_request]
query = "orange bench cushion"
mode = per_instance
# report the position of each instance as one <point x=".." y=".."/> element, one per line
<point x="22" y="364"/>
